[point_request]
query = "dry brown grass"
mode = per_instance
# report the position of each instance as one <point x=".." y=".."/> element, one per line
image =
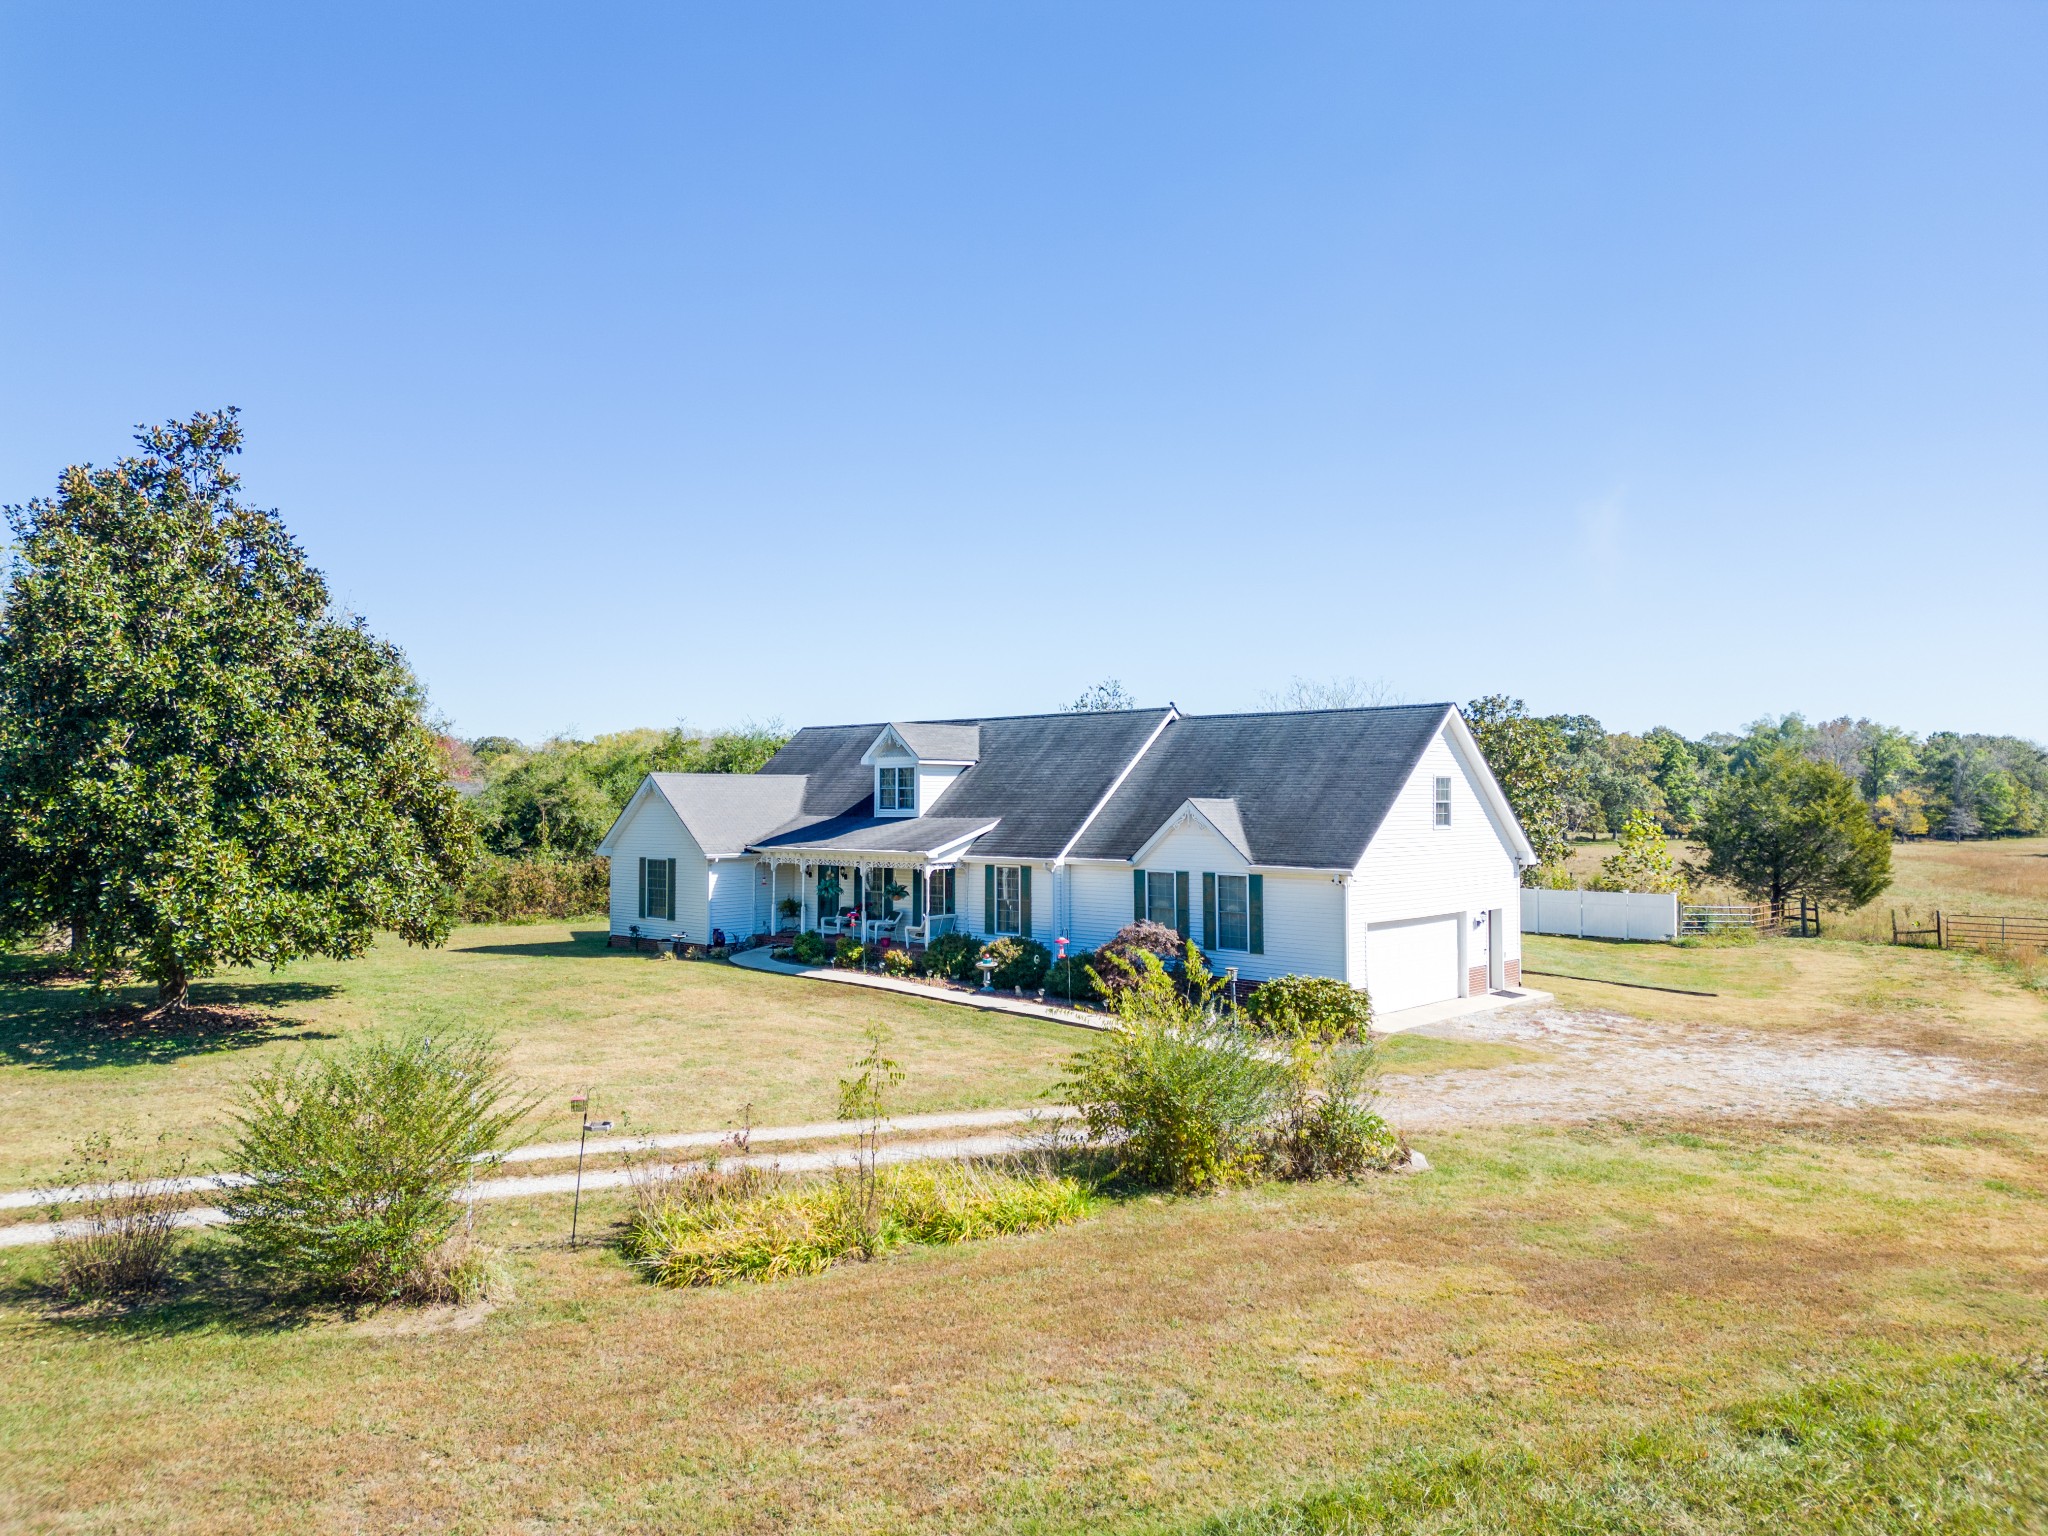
<point x="1541" y="1288"/>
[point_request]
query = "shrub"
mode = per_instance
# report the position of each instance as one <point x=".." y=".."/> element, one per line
<point x="1189" y="1102"/>
<point x="1019" y="962"/>
<point x="897" y="962"/>
<point x="1315" y="1008"/>
<point x="951" y="955"/>
<point x="715" y="1230"/>
<point x="354" y="1159"/>
<point x="1074" y="978"/>
<point x="117" y="1242"/>
<point x="847" y="953"/>
<point x="1328" y="1127"/>
<point x="808" y="948"/>
<point x="504" y="890"/>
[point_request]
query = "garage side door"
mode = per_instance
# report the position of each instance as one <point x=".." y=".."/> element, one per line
<point x="1412" y="963"/>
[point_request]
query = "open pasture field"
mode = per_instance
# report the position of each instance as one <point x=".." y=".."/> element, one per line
<point x="1649" y="1322"/>
<point x="664" y="1045"/>
<point x="2007" y="875"/>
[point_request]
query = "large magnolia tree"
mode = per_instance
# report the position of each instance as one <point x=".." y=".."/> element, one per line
<point x="201" y="763"/>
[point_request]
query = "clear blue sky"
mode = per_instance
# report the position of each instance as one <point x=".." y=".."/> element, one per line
<point x="1671" y="363"/>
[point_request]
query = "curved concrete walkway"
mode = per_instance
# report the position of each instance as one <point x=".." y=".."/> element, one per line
<point x="988" y="1002"/>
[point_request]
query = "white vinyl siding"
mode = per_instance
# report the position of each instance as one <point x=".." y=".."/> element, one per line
<point x="656" y="832"/>
<point x="735" y="898"/>
<point x="1417" y="869"/>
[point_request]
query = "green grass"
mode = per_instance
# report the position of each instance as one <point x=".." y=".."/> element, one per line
<point x="662" y="1045"/>
<point x="1827" y="1326"/>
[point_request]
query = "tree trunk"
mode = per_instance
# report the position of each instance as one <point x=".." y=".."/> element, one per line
<point x="77" y="938"/>
<point x="171" y="989"/>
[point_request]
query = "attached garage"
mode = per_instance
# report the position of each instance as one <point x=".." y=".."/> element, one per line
<point x="1411" y="963"/>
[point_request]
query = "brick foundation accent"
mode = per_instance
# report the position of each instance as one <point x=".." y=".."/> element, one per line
<point x="1512" y="970"/>
<point x="1475" y="981"/>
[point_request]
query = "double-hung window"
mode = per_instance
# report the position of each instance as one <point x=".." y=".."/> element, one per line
<point x="1233" y="912"/>
<point x="1443" y="802"/>
<point x="898" y="789"/>
<point x="939" y="893"/>
<point x="1009" y="887"/>
<point x="1160" y="898"/>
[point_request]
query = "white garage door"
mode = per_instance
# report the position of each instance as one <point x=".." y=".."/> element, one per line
<point x="1409" y="964"/>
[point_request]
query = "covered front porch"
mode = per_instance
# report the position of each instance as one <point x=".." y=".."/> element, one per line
<point x="896" y="880"/>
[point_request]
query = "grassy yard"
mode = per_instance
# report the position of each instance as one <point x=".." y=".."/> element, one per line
<point x="664" y="1045"/>
<point x="1833" y="1325"/>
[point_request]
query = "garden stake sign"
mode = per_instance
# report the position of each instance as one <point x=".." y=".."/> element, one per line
<point x="582" y="1107"/>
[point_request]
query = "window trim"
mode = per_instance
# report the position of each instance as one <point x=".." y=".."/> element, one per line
<point x="1154" y="878"/>
<point x="896" y="788"/>
<point x="1440" y="801"/>
<point x="942" y="880"/>
<point x="1014" y="874"/>
<point x="1244" y="914"/>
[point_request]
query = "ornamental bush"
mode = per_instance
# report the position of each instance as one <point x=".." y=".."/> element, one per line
<point x="1115" y="963"/>
<point x="807" y="948"/>
<point x="353" y="1160"/>
<point x="1019" y="962"/>
<point x="1074" y="978"/>
<point x="950" y="955"/>
<point x="897" y="962"/>
<point x="1321" y="1009"/>
<point x="847" y="953"/>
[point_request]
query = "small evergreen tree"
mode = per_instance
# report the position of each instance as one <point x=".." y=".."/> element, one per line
<point x="1783" y="825"/>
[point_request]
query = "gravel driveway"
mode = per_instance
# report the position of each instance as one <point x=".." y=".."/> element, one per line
<point x="1601" y="1064"/>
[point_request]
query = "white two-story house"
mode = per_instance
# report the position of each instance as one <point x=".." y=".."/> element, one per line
<point x="1371" y="845"/>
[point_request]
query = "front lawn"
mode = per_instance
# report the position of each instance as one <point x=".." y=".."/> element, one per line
<point x="1831" y="1325"/>
<point x="662" y="1045"/>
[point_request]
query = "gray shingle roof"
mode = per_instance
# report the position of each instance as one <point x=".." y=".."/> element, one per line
<point x="937" y="742"/>
<point x="727" y="811"/>
<point x="1311" y="786"/>
<point x="1305" y="788"/>
<point x="870" y="835"/>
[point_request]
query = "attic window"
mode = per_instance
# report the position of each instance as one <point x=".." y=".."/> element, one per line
<point x="1443" y="802"/>
<point x="898" y="790"/>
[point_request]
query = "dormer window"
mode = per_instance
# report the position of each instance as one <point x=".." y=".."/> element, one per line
<point x="898" y="790"/>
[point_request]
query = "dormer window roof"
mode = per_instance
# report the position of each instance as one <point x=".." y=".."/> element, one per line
<point x="958" y="745"/>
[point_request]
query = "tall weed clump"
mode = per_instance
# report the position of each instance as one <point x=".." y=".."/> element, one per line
<point x="354" y="1161"/>
<point x="117" y="1241"/>
<point x="1190" y="1101"/>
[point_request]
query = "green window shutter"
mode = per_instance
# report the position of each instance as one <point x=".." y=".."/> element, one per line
<point x="671" y="913"/>
<point x="1024" y="902"/>
<point x="1181" y="925"/>
<point x="1208" y="910"/>
<point x="643" y="888"/>
<point x="1137" y="895"/>
<point x="1257" y="902"/>
<point x="988" y="898"/>
<point x="917" y="879"/>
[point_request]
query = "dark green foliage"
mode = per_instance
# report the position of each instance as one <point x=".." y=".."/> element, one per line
<point x="808" y="948"/>
<point x="951" y="955"/>
<point x="1073" y="978"/>
<point x="1328" y="1128"/>
<point x="1115" y="963"/>
<point x="1785" y="825"/>
<point x="848" y="952"/>
<point x="1019" y="963"/>
<point x="201" y="763"/>
<point x="1528" y="757"/>
<point x="1314" y="1008"/>
<point x="559" y="800"/>
<point x="502" y="890"/>
<point x="355" y="1158"/>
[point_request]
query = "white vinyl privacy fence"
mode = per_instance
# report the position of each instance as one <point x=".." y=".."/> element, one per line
<point x="1600" y="914"/>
